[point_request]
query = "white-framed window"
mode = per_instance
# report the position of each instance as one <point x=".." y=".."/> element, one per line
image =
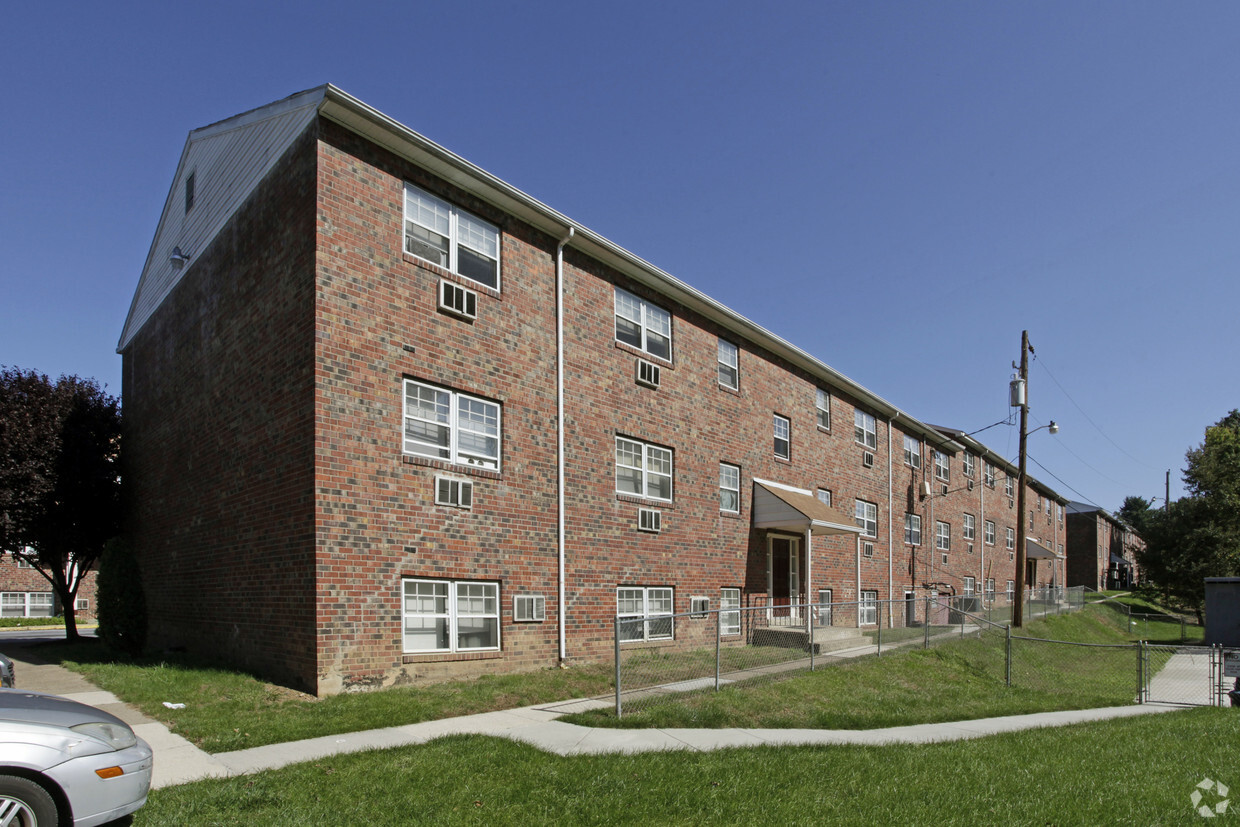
<point x="970" y="527"/>
<point x="865" y="429"/>
<point x="1048" y="506"/>
<point x="645" y="612"/>
<point x="729" y="365"/>
<point x="824" y="607"/>
<point x="699" y="606"/>
<point x="912" y="529"/>
<point x="867" y="609"/>
<point x="27" y="604"/>
<point x="1011" y="538"/>
<point x="81" y="604"/>
<point x="970" y="586"/>
<point x="729" y="488"/>
<point x="1059" y="508"/>
<point x="529" y="608"/>
<point x="824" y="496"/>
<point x="990" y="475"/>
<point x="1011" y="590"/>
<point x="941" y="464"/>
<point x="942" y="536"/>
<point x="729" y="612"/>
<point x="450" y="615"/>
<point x="450" y="237"/>
<point x="912" y="451"/>
<point x="990" y="532"/>
<point x="968" y="464"/>
<point x="1009" y="486"/>
<point x="643" y="469"/>
<point x="990" y="589"/>
<point x="452" y="426"/>
<point x="1061" y="549"/>
<point x="866" y="514"/>
<point x="783" y="436"/>
<point x="643" y="325"/>
<point x="822" y="403"/>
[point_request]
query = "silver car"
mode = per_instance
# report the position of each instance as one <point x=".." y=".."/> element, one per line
<point x="66" y="763"/>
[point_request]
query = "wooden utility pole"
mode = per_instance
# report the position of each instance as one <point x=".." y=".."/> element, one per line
<point x="1018" y="605"/>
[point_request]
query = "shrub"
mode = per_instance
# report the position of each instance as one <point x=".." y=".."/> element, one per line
<point x="121" y="603"/>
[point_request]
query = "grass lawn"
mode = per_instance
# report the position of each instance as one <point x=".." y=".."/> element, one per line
<point x="1133" y="771"/>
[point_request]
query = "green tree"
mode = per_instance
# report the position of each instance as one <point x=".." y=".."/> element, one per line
<point x="60" y="487"/>
<point x="121" y="601"/>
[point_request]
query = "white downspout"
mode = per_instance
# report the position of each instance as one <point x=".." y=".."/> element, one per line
<point x="809" y="583"/>
<point x="559" y="437"/>
<point x="891" y="516"/>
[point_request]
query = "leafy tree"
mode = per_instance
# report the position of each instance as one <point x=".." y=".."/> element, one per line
<point x="59" y="476"/>
<point x="121" y="601"/>
<point x="1197" y="536"/>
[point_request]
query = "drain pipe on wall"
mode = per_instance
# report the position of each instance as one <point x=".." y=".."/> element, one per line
<point x="891" y="516"/>
<point x="559" y="438"/>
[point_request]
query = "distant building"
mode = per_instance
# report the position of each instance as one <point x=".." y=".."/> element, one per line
<point x="1102" y="549"/>
<point x="26" y="593"/>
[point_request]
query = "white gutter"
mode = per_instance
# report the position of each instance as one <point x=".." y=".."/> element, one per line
<point x="559" y="437"/>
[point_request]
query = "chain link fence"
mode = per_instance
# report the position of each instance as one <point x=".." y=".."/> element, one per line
<point x="1152" y="626"/>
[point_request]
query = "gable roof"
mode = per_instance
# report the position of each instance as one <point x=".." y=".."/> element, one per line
<point x="246" y="146"/>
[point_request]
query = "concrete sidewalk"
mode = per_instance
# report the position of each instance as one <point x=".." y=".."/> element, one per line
<point x="177" y="761"/>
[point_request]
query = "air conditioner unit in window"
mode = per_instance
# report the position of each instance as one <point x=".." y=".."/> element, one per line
<point x="454" y="492"/>
<point x="457" y="300"/>
<point x="867" y="549"/>
<point x="529" y="608"/>
<point x="867" y="459"/>
<point x="648" y="519"/>
<point x="648" y="373"/>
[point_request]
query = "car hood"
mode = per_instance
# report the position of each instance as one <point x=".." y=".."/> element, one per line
<point x="42" y="708"/>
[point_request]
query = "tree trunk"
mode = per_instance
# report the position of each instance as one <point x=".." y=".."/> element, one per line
<point x="68" y="601"/>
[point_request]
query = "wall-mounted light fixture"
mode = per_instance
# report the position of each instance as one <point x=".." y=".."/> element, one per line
<point x="178" y="258"/>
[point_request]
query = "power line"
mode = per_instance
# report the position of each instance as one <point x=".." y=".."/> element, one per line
<point x="1082" y="497"/>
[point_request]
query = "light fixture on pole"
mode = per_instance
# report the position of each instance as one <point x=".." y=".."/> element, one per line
<point x="1019" y="392"/>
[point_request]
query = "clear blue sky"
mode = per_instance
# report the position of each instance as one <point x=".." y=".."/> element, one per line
<point x="898" y="188"/>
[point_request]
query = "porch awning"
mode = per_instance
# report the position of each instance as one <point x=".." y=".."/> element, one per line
<point x="1035" y="551"/>
<point x="795" y="509"/>
<point x="1116" y="560"/>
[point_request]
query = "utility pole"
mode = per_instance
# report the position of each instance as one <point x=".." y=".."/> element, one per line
<point x="1167" y="498"/>
<point x="1021" y="398"/>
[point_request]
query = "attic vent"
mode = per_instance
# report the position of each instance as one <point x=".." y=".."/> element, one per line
<point x="944" y="490"/>
<point x="648" y="519"/>
<point x="867" y="549"/>
<point x="867" y="459"/>
<point x="648" y="373"/>
<point x="529" y="608"/>
<point x="457" y="493"/>
<point x="970" y="548"/>
<point x="457" y="300"/>
<point x="189" y="191"/>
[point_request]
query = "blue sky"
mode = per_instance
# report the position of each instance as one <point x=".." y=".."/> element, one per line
<point x="898" y="188"/>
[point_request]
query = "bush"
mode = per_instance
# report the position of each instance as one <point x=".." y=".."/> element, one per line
<point x="121" y="603"/>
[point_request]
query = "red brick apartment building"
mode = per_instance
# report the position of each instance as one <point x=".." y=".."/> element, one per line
<point x="26" y="593"/>
<point x="392" y="420"/>
<point x="1102" y="549"/>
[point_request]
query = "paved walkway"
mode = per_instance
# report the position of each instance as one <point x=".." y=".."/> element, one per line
<point x="177" y="761"/>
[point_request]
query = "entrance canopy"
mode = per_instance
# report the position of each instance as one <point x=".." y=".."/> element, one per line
<point x="795" y="509"/>
<point x="1116" y="560"/>
<point x="1034" y="551"/>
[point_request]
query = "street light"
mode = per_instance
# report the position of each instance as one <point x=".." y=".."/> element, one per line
<point x="1020" y="398"/>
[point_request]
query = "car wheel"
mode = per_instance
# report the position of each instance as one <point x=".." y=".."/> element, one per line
<point x="24" y="803"/>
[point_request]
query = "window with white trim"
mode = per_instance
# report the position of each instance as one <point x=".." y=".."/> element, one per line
<point x="990" y="589"/>
<point x="729" y="365"/>
<point x="866" y="515"/>
<point x="27" y="604"/>
<point x="970" y="586"/>
<point x="912" y="529"/>
<point x="450" y="616"/>
<point x="824" y="496"/>
<point x="1059" y="508"/>
<point x="968" y="464"/>
<point x="729" y="612"/>
<point x="912" y="451"/>
<point x="1011" y="538"/>
<point x="822" y="403"/>
<point x="990" y="475"/>
<point x="452" y="426"/>
<point x="729" y="488"/>
<point x="941" y="464"/>
<point x="990" y="532"/>
<point x="1009" y="486"/>
<point x="865" y="429"/>
<point x="783" y="437"/>
<point x="643" y="325"/>
<point x="867" y="608"/>
<point x="1011" y="590"/>
<point x="645" y="612"/>
<point x="942" y="536"/>
<point x="643" y="469"/>
<point x="450" y="237"/>
<point x="970" y="526"/>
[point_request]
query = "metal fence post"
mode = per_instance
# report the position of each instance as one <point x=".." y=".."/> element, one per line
<point x="879" y="632"/>
<point x="1183" y="631"/>
<point x="925" y="627"/>
<point x="1007" y="677"/>
<point x="809" y="627"/>
<point x="616" y="635"/>
<point x="718" y="643"/>
<point x="1141" y="672"/>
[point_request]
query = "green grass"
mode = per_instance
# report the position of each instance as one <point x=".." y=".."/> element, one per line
<point x="227" y="710"/>
<point x="954" y="680"/>
<point x="1134" y="771"/>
